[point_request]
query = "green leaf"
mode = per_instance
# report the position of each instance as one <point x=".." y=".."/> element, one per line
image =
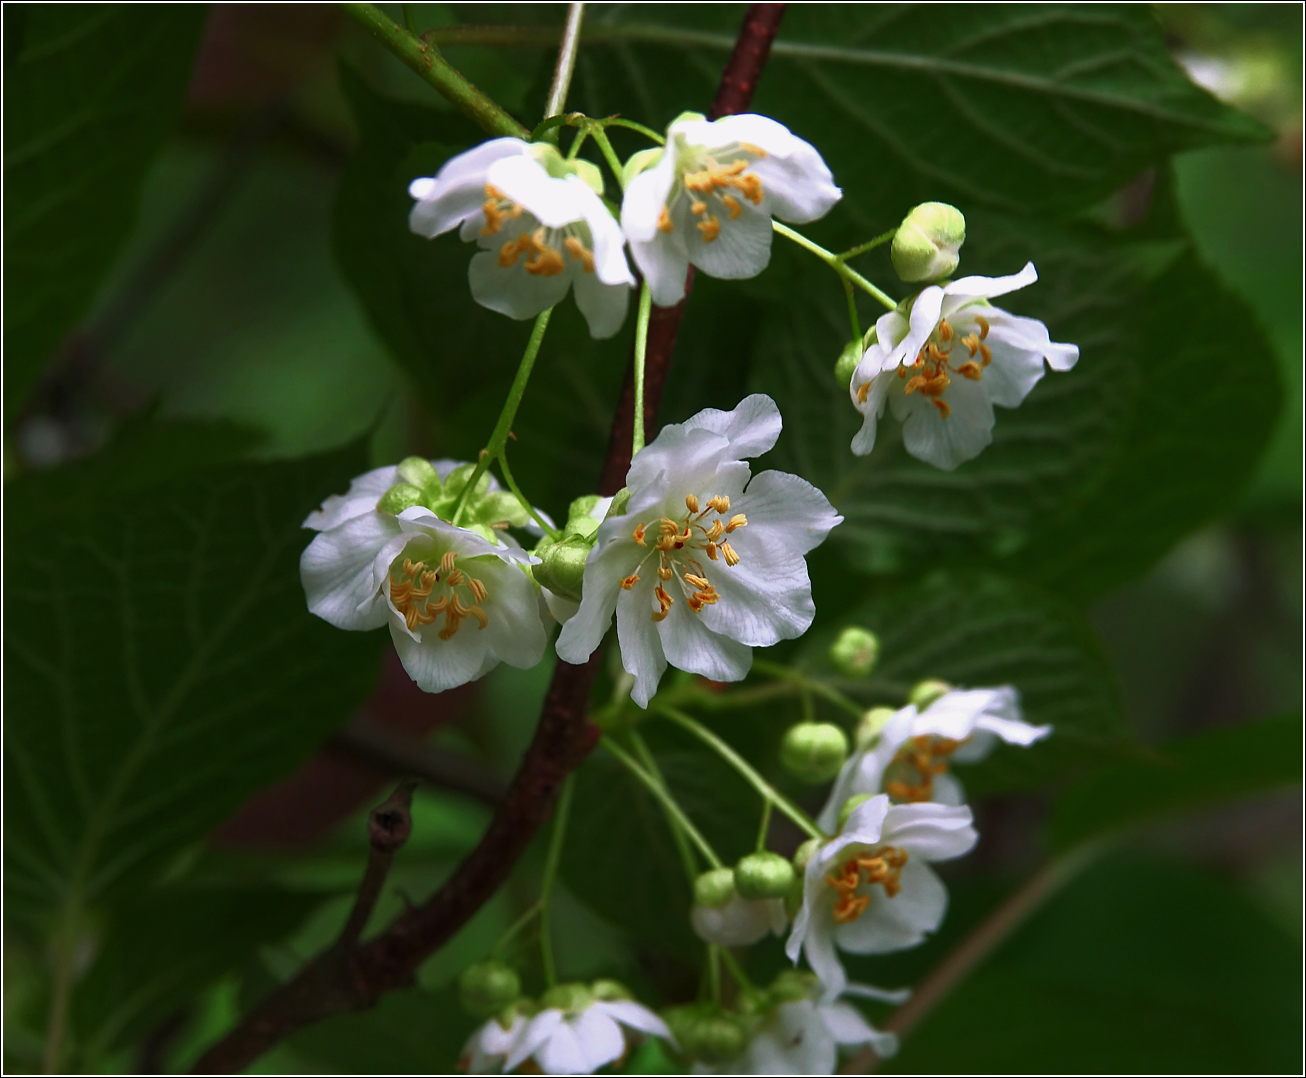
<point x="1138" y="967"/>
<point x="160" y="666"/>
<point x="1200" y="421"/>
<point x="1024" y="107"/>
<point x="979" y="631"/>
<point x="1187" y="773"/>
<point x="89" y="96"/>
<point x="161" y="949"/>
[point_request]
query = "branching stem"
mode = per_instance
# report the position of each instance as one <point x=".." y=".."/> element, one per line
<point x="641" y="349"/>
<point x="836" y="263"/>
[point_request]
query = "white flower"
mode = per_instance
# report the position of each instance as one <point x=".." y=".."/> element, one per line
<point x="740" y="922"/>
<point x="804" y="1036"/>
<point x="946" y="366"/>
<point x="562" y="608"/>
<point x="910" y="760"/>
<point x="541" y="228"/>
<point x="702" y="565"/>
<point x="710" y="198"/>
<point x="584" y="1035"/>
<point x="427" y="579"/>
<point x="489" y="1046"/>
<point x="870" y="890"/>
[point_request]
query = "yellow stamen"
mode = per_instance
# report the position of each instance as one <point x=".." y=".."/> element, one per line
<point x="691" y="503"/>
<point x="721" y="503"/>
<point x="446" y="562"/>
<point x="638" y="534"/>
<point x="710" y="228"/>
<point x="711" y="549"/>
<point x="728" y="552"/>
<point x="983" y="324"/>
<point x="478" y="589"/>
<point x="945" y="409"/>
<point x="698" y="208"/>
<point x="664" y="221"/>
<point x="732" y="206"/>
<point x="579" y="252"/>
<point x="986" y="354"/>
<point x="665" y="573"/>
<point x="737" y="521"/>
<point x="715" y="532"/>
<point x="862" y="392"/>
<point x="697" y="581"/>
<point x="945" y="331"/>
<point x="455" y="578"/>
<point x="629" y="582"/>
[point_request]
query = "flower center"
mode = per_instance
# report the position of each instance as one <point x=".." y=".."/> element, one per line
<point x="883" y="866"/>
<point x="421" y="595"/>
<point x="712" y="186"/>
<point x="676" y="544"/>
<point x="543" y="247"/>
<point x="927" y="756"/>
<point x="930" y="373"/>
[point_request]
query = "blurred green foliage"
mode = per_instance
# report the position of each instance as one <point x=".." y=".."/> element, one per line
<point x="247" y="299"/>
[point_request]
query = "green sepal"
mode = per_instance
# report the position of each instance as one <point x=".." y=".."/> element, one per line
<point x="419" y="472"/>
<point x="640" y="162"/>
<point x="850" y="806"/>
<point x="562" y="565"/>
<point x="500" y="505"/>
<point x="847" y="362"/>
<point x="589" y="173"/>
<point x="399" y="497"/>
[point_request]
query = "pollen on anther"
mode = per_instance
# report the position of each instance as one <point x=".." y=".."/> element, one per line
<point x="863" y="391"/>
<point x="629" y="582"/>
<point x="478" y="589"/>
<point x="691" y="503"/>
<point x="728" y="552"/>
<point x="580" y="252"/>
<point x="733" y="206"/>
<point x="710" y="228"/>
<point x="944" y="408"/>
<point x="720" y="502"/>
<point x="638" y="534"/>
<point x="983" y="324"/>
<point x="664" y="221"/>
<point x="447" y="561"/>
<point x="736" y="522"/>
<point x="986" y="354"/>
<point x="665" y="572"/>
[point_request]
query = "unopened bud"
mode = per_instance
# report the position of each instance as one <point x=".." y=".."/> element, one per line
<point x="805" y="853"/>
<point x="715" y="1038"/>
<point x="855" y="653"/>
<point x="572" y="998"/>
<point x="847" y="362"/>
<point x="562" y="566"/>
<point x="714" y="888"/>
<point x="794" y="899"/>
<point x="924" y="693"/>
<point x="609" y="990"/>
<point x="791" y="985"/>
<point x="640" y="162"/>
<point x="871" y="726"/>
<point x="814" y="751"/>
<point x="763" y="875"/>
<point x="850" y="806"/>
<point x="926" y="245"/>
<point x="399" y="497"/>
<point x="487" y="988"/>
<point x="420" y="472"/>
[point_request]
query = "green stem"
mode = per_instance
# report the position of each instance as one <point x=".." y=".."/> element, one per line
<point x="550" y="875"/>
<point x="552" y="533"/>
<point x="714" y="972"/>
<point x="835" y="262"/>
<point x="515" y="927"/>
<point x="737" y="972"/>
<point x="745" y="769"/>
<point x="664" y="798"/>
<point x="806" y="681"/>
<point x="852" y="309"/>
<point x="609" y="154"/>
<point x="499" y="437"/>
<point x="567" y="49"/>
<point x="682" y="842"/>
<point x="765" y="826"/>
<point x="641" y="349"/>
<point x="410" y="23"/>
<point x="862" y="248"/>
<point x="435" y="69"/>
<point x="574" y="149"/>
<point x="647" y="132"/>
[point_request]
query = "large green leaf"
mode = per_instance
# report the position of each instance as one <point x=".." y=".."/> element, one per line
<point x="1186" y="773"/>
<point x="90" y="92"/>
<point x="160" y="664"/>
<point x="1018" y="106"/>
<point x="979" y="631"/>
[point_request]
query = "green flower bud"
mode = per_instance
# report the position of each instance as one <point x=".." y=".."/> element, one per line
<point x="715" y="1038"/>
<point x="763" y="875"/>
<point x="791" y="985"/>
<point x="640" y="162"/>
<point x="499" y="506"/>
<point x="873" y="722"/>
<point x="419" y="472"/>
<point x="794" y="899"/>
<point x="487" y="988"/>
<point x="850" y="806"/>
<point x="804" y="854"/>
<point x="814" y="751"/>
<point x="562" y="566"/>
<point x="572" y="998"/>
<point x="924" y="693"/>
<point x="847" y="362"/>
<point x="715" y="887"/>
<point x="855" y="653"/>
<point x="609" y="990"/>
<point x="457" y="479"/>
<point x="589" y="173"/>
<point x="399" y="497"/>
<point x="926" y="245"/>
<point x="619" y="502"/>
<point x="582" y="506"/>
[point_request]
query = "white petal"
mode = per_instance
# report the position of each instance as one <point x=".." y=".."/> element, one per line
<point x="438" y="665"/>
<point x="988" y="287"/>
<point x="664" y="264"/>
<point x="644" y="200"/>
<point x="797" y="188"/>
<point x="882" y="995"/>
<point x="599" y="1036"/>
<point x="689" y="644"/>
<point x="894" y="924"/>
<point x="947" y="441"/>
<point x="752" y="426"/>
<point x="741" y="249"/>
<point x="609" y="241"/>
<point x="739" y="923"/>
<point x="872" y="408"/>
<point x="1012" y="374"/>
<point x="554" y="202"/>
<point x="803" y="1039"/>
<point x="641" y="647"/>
<point x="866" y="824"/>
<point x="636" y="1016"/>
<point x="930" y="832"/>
<point x="364" y="492"/>
<point x="765" y="1055"/>
<point x="336" y="570"/>
<point x="1029" y="334"/>
<point x="819" y="950"/>
<point x="847" y="1026"/>
<point x="563" y="610"/>
<point x="457" y="191"/>
<point x="515" y="634"/>
<point x="512" y="290"/>
<point x="603" y="305"/>
<point x="607" y="565"/>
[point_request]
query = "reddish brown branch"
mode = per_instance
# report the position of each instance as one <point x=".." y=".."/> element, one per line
<point x="337" y="981"/>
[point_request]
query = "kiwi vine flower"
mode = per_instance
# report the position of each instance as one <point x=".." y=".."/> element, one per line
<point x="705" y="561"/>
<point x="582" y="1028"/>
<point x="943" y="359"/>
<point x="910" y="759"/>
<point x="487" y="1049"/>
<point x="541" y="227"/>
<point x="870" y="888"/>
<point x="711" y="195"/>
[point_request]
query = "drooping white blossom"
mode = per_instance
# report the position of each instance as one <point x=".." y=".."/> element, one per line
<point x="583" y="1035"/>
<point x="456" y="604"/>
<point x="870" y="888"/>
<point x="740" y="922"/>
<point x="804" y="1036"/>
<point x="910" y="759"/>
<point x="943" y="364"/>
<point x="706" y="560"/>
<point x="711" y="196"/>
<point x="487" y="1049"/>
<point x="540" y="227"/>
